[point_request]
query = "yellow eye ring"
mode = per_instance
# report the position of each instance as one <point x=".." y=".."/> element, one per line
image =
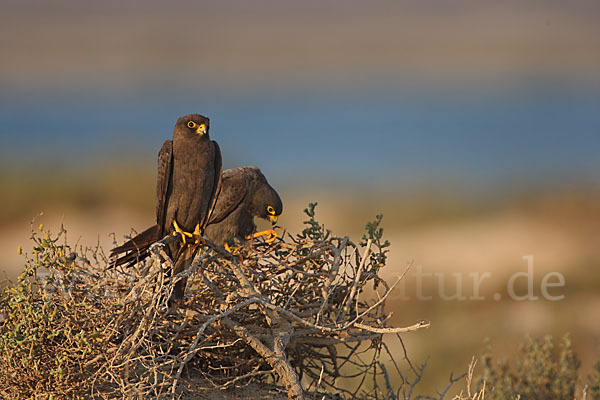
<point x="191" y="124"/>
<point x="271" y="210"/>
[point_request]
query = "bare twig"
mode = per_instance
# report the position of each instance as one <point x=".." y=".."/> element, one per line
<point x="274" y="314"/>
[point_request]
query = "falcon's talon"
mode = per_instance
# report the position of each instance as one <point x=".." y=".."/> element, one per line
<point x="238" y="255"/>
<point x="198" y="239"/>
<point x="179" y="231"/>
<point x="198" y="242"/>
<point x="271" y="239"/>
<point x="272" y="235"/>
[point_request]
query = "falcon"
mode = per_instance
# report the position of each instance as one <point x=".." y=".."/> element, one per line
<point x="188" y="182"/>
<point x="245" y="194"/>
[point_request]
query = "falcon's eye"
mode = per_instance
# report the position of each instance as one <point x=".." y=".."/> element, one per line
<point x="191" y="124"/>
<point x="271" y="210"/>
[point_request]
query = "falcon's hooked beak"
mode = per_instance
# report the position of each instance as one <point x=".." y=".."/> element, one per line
<point x="201" y="130"/>
<point x="273" y="218"/>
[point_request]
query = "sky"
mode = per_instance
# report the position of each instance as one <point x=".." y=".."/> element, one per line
<point x="482" y="93"/>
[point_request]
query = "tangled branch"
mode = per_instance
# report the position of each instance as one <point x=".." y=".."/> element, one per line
<point x="293" y="314"/>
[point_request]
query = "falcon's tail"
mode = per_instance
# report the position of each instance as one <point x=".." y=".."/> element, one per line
<point x="134" y="250"/>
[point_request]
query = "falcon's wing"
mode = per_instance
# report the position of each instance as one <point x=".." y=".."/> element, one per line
<point x="163" y="182"/>
<point x="234" y="190"/>
<point x="216" y="186"/>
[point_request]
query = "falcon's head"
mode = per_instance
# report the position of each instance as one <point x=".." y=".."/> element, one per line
<point x="192" y="125"/>
<point x="266" y="203"/>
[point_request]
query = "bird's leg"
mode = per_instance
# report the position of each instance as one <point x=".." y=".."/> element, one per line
<point x="270" y="233"/>
<point x="238" y="255"/>
<point x="179" y="231"/>
<point x="197" y="235"/>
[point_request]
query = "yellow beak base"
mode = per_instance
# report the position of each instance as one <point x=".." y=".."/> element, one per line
<point x="201" y="130"/>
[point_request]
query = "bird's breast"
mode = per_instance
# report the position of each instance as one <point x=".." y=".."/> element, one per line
<point x="193" y="180"/>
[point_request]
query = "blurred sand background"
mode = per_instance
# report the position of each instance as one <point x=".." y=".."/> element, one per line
<point x="472" y="126"/>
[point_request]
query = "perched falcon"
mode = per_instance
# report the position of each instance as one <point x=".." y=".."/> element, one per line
<point x="245" y="193"/>
<point x="188" y="182"/>
<point x="189" y="177"/>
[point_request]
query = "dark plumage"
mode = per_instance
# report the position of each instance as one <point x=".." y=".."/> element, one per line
<point x="188" y="181"/>
<point x="189" y="174"/>
<point x="245" y="193"/>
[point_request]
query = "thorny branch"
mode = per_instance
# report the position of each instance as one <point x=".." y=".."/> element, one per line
<point x="296" y="313"/>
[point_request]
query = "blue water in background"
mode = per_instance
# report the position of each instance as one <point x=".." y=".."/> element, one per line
<point x="478" y="138"/>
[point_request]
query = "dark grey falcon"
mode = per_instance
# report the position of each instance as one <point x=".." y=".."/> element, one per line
<point x="188" y="183"/>
<point x="245" y="194"/>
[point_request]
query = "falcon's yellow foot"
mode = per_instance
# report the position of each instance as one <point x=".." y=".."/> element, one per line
<point x="179" y="231"/>
<point x="270" y="233"/>
<point x="238" y="255"/>
<point x="184" y="235"/>
<point x="197" y="237"/>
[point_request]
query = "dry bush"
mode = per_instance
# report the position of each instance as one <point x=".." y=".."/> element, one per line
<point x="540" y="371"/>
<point x="290" y="315"/>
